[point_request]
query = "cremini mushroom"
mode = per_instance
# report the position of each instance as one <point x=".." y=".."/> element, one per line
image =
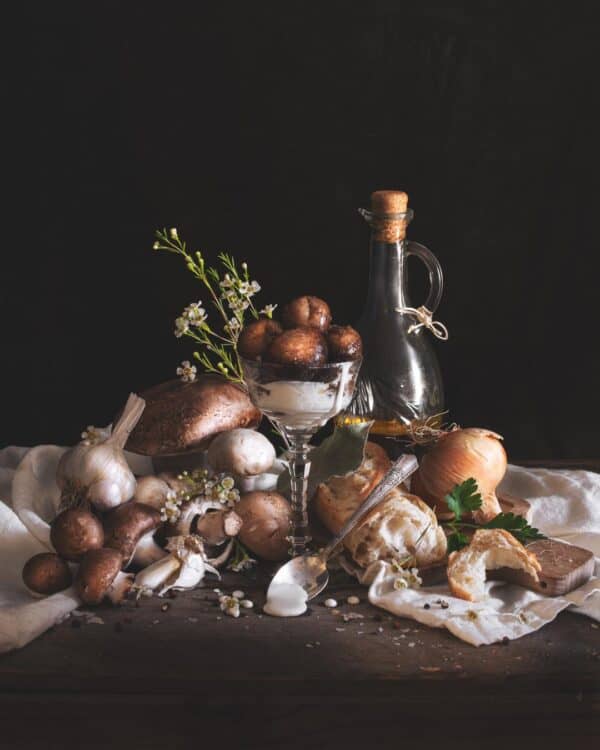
<point x="46" y="574"/>
<point x="181" y="417"/>
<point x="151" y="490"/>
<point x="266" y="518"/>
<point x="130" y="530"/>
<point x="99" y="576"/>
<point x="74" y="532"/>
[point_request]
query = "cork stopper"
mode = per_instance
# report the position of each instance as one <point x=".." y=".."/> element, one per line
<point x="390" y="219"/>
<point x="389" y="202"/>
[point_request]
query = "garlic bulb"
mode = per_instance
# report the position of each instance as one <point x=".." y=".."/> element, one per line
<point x="183" y="568"/>
<point x="97" y="471"/>
<point x="457" y="456"/>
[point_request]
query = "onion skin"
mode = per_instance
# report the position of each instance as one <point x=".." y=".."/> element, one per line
<point x="457" y="456"/>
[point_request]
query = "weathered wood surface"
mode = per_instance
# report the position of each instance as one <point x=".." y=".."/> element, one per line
<point x="150" y="678"/>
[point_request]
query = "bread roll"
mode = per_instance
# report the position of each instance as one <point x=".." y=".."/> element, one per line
<point x="337" y="499"/>
<point x="489" y="549"/>
<point x="401" y="526"/>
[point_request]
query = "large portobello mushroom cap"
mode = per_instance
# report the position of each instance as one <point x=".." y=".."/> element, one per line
<point x="182" y="417"/>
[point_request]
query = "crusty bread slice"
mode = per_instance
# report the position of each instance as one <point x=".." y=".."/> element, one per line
<point x="489" y="549"/>
<point x="402" y="525"/>
<point x="337" y="499"/>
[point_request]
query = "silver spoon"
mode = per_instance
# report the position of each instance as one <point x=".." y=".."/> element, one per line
<point x="310" y="570"/>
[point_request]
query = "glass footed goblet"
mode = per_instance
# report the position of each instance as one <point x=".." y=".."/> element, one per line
<point x="299" y="399"/>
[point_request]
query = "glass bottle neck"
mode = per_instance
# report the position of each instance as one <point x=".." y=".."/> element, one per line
<point x="386" y="290"/>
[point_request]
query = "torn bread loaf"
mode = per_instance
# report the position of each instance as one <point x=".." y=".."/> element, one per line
<point x="400" y="527"/>
<point x="489" y="549"/>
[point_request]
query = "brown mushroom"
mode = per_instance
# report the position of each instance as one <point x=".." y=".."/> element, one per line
<point x="130" y="530"/>
<point x="344" y="344"/>
<point x="307" y="311"/>
<point x="186" y="416"/>
<point x="75" y="531"/>
<point x="46" y="574"/>
<point x="256" y="337"/>
<point x="298" y="346"/>
<point x="99" y="576"/>
<point x="266" y="518"/>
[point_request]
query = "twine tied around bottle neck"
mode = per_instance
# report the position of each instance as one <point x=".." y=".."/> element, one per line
<point x="425" y="319"/>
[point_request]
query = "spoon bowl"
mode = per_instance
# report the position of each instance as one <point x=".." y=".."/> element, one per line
<point x="308" y="571"/>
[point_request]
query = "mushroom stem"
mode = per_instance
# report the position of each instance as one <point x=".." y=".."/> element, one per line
<point x="147" y="551"/>
<point x="216" y="562"/>
<point x="120" y="587"/>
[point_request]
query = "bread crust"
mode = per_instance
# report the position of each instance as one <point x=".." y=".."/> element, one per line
<point x="489" y="549"/>
<point x="337" y="499"/>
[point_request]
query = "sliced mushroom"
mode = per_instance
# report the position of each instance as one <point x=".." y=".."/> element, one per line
<point x="99" y="576"/>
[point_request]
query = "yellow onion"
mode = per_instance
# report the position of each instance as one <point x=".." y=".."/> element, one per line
<point x="455" y="457"/>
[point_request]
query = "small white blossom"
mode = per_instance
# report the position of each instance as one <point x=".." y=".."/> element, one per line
<point x="230" y="605"/>
<point x="227" y="483"/>
<point x="171" y="510"/>
<point x="226" y="282"/>
<point x="195" y="314"/>
<point x="254" y="287"/>
<point x="407" y="579"/>
<point x="156" y="245"/>
<point x="181" y="326"/>
<point x="173" y="233"/>
<point x="268" y="310"/>
<point x="244" y="266"/>
<point x="233" y="326"/>
<point x="187" y="371"/>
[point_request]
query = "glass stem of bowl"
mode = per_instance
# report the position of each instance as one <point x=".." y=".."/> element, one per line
<point x="299" y="468"/>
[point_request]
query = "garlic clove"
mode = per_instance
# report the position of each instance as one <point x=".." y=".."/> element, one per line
<point x="158" y="573"/>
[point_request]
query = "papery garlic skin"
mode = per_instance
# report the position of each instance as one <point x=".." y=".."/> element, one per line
<point x="183" y="568"/>
<point x="459" y="455"/>
<point x="99" y="473"/>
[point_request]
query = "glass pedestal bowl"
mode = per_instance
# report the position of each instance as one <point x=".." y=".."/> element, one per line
<point x="299" y="400"/>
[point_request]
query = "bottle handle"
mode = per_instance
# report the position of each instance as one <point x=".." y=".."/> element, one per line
<point x="436" y="276"/>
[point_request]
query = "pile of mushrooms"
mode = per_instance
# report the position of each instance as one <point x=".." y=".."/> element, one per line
<point x="115" y="532"/>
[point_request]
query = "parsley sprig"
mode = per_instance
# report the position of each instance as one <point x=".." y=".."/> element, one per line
<point x="464" y="498"/>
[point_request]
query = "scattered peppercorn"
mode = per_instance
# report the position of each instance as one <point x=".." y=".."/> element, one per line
<point x="165" y="607"/>
<point x="426" y="606"/>
<point x="505" y="640"/>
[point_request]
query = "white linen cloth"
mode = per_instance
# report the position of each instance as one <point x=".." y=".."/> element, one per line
<point x="565" y="504"/>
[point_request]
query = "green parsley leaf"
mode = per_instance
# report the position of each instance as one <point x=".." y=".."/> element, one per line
<point x="517" y="526"/>
<point x="456" y="541"/>
<point x="464" y="498"/>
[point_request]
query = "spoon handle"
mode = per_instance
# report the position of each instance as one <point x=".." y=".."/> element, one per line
<point x="402" y="468"/>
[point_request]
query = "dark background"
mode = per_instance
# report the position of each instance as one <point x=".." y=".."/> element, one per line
<point x="259" y="128"/>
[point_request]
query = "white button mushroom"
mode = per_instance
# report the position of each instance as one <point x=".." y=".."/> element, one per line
<point x="242" y="452"/>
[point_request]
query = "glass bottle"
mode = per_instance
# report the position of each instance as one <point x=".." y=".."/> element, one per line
<point x="400" y="384"/>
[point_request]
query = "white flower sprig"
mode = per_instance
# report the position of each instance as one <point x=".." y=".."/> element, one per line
<point x="232" y="296"/>
<point x="199" y="485"/>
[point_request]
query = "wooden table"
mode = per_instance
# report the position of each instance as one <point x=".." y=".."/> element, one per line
<point x="173" y="672"/>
